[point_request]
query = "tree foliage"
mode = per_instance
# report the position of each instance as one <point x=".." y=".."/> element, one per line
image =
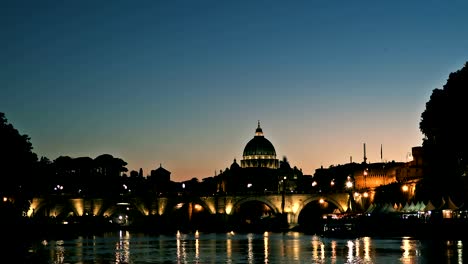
<point x="17" y="159"/>
<point x="443" y="124"/>
<point x="88" y="176"/>
<point x="17" y="163"/>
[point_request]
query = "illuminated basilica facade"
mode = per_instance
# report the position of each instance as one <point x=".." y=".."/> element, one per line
<point x="259" y="170"/>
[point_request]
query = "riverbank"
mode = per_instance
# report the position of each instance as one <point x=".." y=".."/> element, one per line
<point x="395" y="226"/>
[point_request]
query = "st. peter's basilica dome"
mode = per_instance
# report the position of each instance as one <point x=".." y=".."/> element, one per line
<point x="259" y="152"/>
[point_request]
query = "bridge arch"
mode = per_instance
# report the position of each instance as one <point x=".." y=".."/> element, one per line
<point x="329" y="199"/>
<point x="173" y="204"/>
<point x="310" y="215"/>
<point x="263" y="200"/>
<point x="254" y="214"/>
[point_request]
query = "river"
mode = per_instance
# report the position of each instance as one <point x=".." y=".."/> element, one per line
<point x="290" y="247"/>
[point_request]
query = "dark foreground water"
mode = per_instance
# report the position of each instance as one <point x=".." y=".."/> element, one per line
<point x="290" y="247"/>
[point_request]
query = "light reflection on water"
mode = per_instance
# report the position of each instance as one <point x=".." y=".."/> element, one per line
<point x="250" y="252"/>
<point x="292" y="247"/>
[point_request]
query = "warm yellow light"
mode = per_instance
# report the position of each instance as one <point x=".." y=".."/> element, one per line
<point x="321" y="200"/>
<point x="78" y="206"/>
<point x="97" y="206"/>
<point x="295" y="208"/>
<point x="314" y="183"/>
<point x="198" y="207"/>
<point x="162" y="206"/>
<point x="404" y="188"/>
<point x="366" y="194"/>
<point x="349" y="184"/>
<point x="5" y="199"/>
<point x="228" y="209"/>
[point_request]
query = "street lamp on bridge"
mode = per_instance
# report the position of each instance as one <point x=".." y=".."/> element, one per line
<point x="349" y="188"/>
<point x="283" y="182"/>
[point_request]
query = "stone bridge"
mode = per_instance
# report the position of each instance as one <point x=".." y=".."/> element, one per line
<point x="289" y="204"/>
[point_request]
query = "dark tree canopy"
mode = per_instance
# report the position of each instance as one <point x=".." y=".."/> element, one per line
<point x="17" y="160"/>
<point x="110" y="166"/>
<point x="88" y="176"/>
<point x="17" y="164"/>
<point x="443" y="125"/>
<point x="442" y="121"/>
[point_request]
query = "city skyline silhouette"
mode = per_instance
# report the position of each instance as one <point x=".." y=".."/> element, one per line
<point x="184" y="83"/>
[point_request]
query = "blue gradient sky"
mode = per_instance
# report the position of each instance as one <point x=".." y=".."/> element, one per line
<point x="183" y="83"/>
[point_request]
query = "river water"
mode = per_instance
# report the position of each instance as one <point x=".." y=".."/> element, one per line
<point x="292" y="247"/>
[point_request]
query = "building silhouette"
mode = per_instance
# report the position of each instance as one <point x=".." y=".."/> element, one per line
<point x="259" y="171"/>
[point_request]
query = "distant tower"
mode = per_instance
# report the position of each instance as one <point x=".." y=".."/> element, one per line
<point x="381" y="153"/>
<point x="365" y="158"/>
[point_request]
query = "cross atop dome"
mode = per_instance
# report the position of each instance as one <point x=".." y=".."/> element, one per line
<point x="259" y="131"/>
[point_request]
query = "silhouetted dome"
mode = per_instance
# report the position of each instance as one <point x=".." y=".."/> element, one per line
<point x="234" y="165"/>
<point x="259" y="152"/>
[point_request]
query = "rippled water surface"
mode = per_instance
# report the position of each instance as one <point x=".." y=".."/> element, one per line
<point x="291" y="247"/>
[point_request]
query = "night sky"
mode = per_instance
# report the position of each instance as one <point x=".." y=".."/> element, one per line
<point x="183" y="83"/>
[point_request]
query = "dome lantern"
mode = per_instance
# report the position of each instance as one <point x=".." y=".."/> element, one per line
<point x="259" y="131"/>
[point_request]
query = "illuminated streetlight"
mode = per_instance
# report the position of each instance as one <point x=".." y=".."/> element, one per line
<point x="404" y="188"/>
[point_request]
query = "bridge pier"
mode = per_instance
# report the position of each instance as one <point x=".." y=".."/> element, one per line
<point x="292" y="220"/>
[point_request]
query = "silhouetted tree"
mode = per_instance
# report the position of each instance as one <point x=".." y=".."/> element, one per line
<point x="82" y="175"/>
<point x="108" y="166"/>
<point x="44" y="176"/>
<point x="17" y="162"/>
<point x="64" y="173"/>
<point x="108" y="172"/>
<point x="446" y="143"/>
